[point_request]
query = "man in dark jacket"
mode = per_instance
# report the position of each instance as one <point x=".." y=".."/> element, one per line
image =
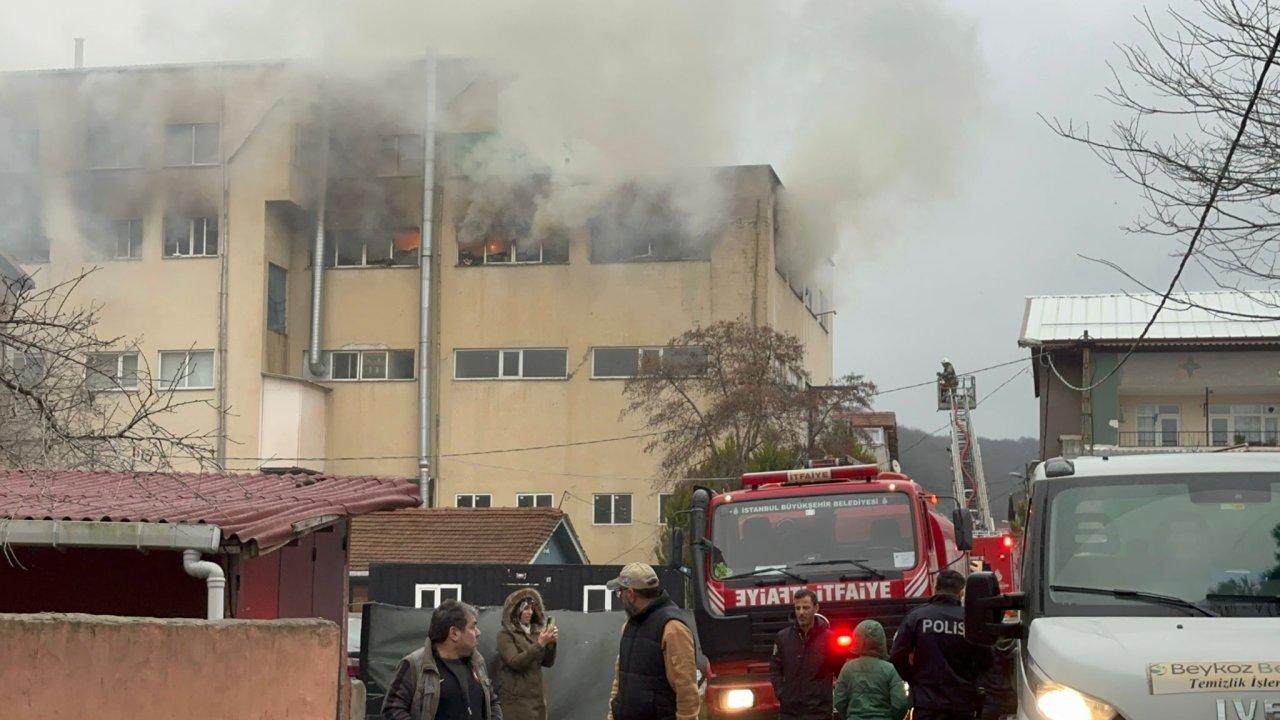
<point x="446" y="679"/>
<point x="932" y="655"/>
<point x="803" y="663"/>
<point x="657" y="673"/>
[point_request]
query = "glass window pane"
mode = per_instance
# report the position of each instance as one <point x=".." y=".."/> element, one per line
<point x="551" y="363"/>
<point x="1169" y="409"/>
<point x="622" y="509"/>
<point x="277" y="297"/>
<point x="206" y="152"/>
<point x="685" y="360"/>
<point x="177" y="236"/>
<point x="475" y="364"/>
<point x="463" y="501"/>
<point x="201" y="370"/>
<point x="483" y="501"/>
<point x="615" y="362"/>
<point x="524" y="501"/>
<point x="378" y="249"/>
<point x="211" y="236"/>
<point x="544" y="501"/>
<point x="650" y="360"/>
<point x="510" y="363"/>
<point x="171" y="368"/>
<point x="1218" y="436"/>
<point x="129" y="370"/>
<point x="350" y="248"/>
<point x="449" y="593"/>
<point x="100" y="371"/>
<point x="529" y="252"/>
<point x="343" y="365"/>
<point x="374" y="366"/>
<point x="603" y="509"/>
<point x="400" y="365"/>
<point x="177" y="145"/>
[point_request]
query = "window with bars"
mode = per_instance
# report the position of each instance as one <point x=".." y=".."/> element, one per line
<point x="612" y="509"/>
<point x="511" y="364"/>
<point x="528" y="500"/>
<point x="352" y="365"/>
<point x="189" y="144"/>
<point x="473" y="500"/>
<point x="112" y="371"/>
<point x="190" y="237"/>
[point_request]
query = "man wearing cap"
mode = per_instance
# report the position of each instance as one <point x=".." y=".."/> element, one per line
<point x="656" y="675"/>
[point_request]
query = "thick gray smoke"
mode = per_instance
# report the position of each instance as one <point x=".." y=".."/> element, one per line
<point x="859" y="106"/>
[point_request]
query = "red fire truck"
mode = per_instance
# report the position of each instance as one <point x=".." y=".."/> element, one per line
<point x="868" y="542"/>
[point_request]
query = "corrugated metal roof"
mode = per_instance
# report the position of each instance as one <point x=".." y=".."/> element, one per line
<point x="1187" y="316"/>
<point x="511" y="536"/>
<point x="258" y="509"/>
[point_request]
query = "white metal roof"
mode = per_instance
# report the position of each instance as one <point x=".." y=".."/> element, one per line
<point x="1187" y="316"/>
<point x="1174" y="464"/>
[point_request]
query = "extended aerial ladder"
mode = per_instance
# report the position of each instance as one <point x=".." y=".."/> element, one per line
<point x="957" y="395"/>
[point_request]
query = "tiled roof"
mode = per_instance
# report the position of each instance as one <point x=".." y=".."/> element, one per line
<point x="259" y="509"/>
<point x="507" y="536"/>
<point x="1196" y="317"/>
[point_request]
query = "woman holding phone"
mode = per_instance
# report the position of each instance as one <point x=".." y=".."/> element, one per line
<point x="526" y="644"/>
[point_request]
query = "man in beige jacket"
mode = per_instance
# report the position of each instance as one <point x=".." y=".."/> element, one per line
<point x="656" y="677"/>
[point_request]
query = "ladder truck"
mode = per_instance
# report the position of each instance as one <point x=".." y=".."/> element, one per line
<point x="992" y="549"/>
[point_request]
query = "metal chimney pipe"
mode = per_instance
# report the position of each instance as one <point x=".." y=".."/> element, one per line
<point x="79" y="53"/>
<point x="425" y="485"/>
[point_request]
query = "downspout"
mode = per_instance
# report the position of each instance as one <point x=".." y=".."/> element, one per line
<point x="224" y="279"/>
<point x="424" y="265"/>
<point x="315" y="360"/>
<point x="215" y="581"/>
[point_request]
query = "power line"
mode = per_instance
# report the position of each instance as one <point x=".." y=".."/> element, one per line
<point x="1195" y="236"/>
<point x="934" y="381"/>
<point x="977" y="404"/>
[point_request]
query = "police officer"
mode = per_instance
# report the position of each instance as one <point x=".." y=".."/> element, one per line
<point x="931" y="654"/>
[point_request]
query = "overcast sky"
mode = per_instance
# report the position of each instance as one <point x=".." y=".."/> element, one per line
<point x="952" y="281"/>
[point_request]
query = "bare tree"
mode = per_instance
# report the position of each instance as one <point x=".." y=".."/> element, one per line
<point x="1186" y="90"/>
<point x="720" y="395"/>
<point x="68" y="402"/>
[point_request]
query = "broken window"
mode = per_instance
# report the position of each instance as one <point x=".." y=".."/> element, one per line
<point x="368" y="365"/>
<point x="473" y="500"/>
<point x="277" y="298"/>
<point x="190" y="237"/>
<point x="112" y="371"/>
<point x="376" y="248"/>
<point x="552" y="251"/>
<point x="638" y="224"/>
<point x="401" y="155"/>
<point x="191" y="144"/>
<point x="187" y="369"/>
<point x="612" y="509"/>
<point x="515" y="364"/>
<point x="113" y="147"/>
<point x="626" y="362"/>
<point x="128" y="239"/>
<point x="528" y="500"/>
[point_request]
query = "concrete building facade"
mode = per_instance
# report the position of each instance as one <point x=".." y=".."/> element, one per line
<point x="194" y="192"/>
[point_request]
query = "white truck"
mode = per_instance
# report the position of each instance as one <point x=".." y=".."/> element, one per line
<point x="1150" y="590"/>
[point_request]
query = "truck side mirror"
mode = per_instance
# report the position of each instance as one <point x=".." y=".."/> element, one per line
<point x="963" y="523"/>
<point x="675" y="553"/>
<point x="984" y="609"/>
<point x="1016" y="499"/>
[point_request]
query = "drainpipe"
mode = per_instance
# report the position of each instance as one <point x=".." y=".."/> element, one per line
<point x="214" y="579"/>
<point x="424" y="266"/>
<point x="315" y="361"/>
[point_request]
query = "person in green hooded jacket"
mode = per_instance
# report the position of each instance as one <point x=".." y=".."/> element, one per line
<point x="869" y="688"/>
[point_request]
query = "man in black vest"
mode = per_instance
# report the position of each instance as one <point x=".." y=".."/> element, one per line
<point x="932" y="655"/>
<point x="656" y="676"/>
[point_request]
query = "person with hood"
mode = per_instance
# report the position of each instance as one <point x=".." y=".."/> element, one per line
<point x="869" y="687"/>
<point x="803" y="664"/>
<point x="526" y="644"/>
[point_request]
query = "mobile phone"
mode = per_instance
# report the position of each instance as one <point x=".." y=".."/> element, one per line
<point x="551" y="622"/>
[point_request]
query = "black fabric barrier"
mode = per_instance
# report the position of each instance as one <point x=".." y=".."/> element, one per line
<point x="577" y="685"/>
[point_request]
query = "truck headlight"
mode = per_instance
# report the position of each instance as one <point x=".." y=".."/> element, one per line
<point x="738" y="699"/>
<point x="1055" y="701"/>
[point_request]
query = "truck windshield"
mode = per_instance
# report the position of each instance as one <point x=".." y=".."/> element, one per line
<point x="1213" y="541"/>
<point x="874" y="527"/>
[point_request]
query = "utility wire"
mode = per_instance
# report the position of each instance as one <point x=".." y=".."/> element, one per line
<point x="1195" y="236"/>
<point x="984" y="398"/>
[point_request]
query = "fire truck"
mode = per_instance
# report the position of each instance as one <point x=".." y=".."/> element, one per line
<point x="867" y="541"/>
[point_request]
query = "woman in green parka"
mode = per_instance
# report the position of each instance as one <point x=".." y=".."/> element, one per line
<point x="526" y="644"/>
<point x="869" y="687"/>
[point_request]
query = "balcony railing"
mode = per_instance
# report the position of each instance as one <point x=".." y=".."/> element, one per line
<point x="1197" y="438"/>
